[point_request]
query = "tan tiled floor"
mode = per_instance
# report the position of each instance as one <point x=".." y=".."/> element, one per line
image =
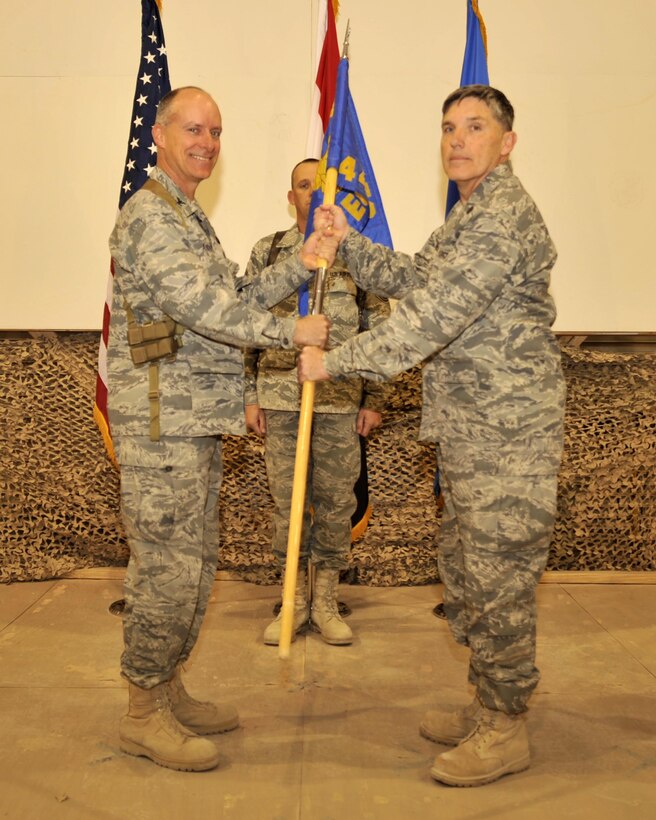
<point x="330" y="734"/>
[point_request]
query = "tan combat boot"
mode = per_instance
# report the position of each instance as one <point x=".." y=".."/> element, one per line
<point x="325" y="617"/>
<point x="301" y="614"/>
<point x="497" y="746"/>
<point x="150" y="730"/>
<point x="199" y="717"/>
<point x="450" y="727"/>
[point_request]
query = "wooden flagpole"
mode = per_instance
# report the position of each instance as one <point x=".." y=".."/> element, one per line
<point x="302" y="458"/>
<point x="303" y="442"/>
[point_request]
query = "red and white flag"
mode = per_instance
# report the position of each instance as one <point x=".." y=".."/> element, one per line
<point x="327" y="51"/>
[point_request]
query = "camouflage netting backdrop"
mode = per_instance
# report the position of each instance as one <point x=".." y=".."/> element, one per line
<point x="60" y="492"/>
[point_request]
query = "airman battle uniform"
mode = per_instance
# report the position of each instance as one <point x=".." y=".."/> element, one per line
<point x="334" y="465"/>
<point x="476" y="310"/>
<point x="168" y="262"/>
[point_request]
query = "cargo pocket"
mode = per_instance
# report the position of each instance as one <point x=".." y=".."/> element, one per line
<point x="148" y="496"/>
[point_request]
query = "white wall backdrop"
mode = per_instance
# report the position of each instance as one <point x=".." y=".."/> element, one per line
<point x="581" y="74"/>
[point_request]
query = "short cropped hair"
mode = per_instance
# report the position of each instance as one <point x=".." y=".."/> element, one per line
<point x="495" y="100"/>
<point x="298" y="164"/>
<point x="166" y="103"/>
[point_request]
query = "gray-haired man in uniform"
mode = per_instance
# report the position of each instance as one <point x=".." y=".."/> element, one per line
<point x="180" y="315"/>
<point x="475" y="309"/>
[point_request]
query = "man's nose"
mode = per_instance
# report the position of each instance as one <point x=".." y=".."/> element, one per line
<point x="208" y="141"/>
<point x="457" y="137"/>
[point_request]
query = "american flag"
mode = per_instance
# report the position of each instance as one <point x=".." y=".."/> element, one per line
<point x="152" y="84"/>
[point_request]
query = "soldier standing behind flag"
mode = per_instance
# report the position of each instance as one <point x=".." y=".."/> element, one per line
<point x="341" y="412"/>
<point x="476" y="309"/>
<point x="179" y="319"/>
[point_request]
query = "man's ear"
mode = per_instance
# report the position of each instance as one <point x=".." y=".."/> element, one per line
<point x="290" y="198"/>
<point x="158" y="135"/>
<point x="508" y="143"/>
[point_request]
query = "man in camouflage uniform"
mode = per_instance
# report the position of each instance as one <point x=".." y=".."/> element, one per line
<point x="342" y="411"/>
<point x="476" y="310"/>
<point x="167" y="416"/>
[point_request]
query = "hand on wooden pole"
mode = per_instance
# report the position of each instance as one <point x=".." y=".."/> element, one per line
<point x="301" y="462"/>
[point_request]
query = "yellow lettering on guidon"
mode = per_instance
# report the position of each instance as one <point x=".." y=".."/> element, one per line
<point x="320" y="178"/>
<point x="356" y="205"/>
<point x="363" y="181"/>
<point x="347" y="168"/>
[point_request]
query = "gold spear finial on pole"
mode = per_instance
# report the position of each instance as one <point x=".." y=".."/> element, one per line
<point x="345" y="47"/>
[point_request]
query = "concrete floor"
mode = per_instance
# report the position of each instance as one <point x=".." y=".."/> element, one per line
<point x="330" y="734"/>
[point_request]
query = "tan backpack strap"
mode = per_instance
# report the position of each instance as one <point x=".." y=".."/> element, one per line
<point x="159" y="190"/>
<point x="132" y="321"/>
<point x="153" y="399"/>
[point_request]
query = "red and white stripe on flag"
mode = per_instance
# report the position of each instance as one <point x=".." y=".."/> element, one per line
<point x="323" y="96"/>
<point x="100" y="406"/>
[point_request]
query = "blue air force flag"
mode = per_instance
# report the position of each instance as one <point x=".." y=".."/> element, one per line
<point x="357" y="192"/>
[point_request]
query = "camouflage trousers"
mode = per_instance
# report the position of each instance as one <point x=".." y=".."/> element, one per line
<point x="169" y="505"/>
<point x="333" y="469"/>
<point x="493" y="547"/>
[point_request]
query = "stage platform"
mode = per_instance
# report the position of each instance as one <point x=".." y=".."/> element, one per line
<point x="332" y="733"/>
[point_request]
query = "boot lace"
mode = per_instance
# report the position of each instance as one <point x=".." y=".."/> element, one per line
<point x="164" y="706"/>
<point x="485" y="724"/>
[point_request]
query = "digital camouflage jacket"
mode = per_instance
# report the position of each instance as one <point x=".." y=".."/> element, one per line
<point x="475" y="308"/>
<point x="169" y="262"/>
<point x="271" y="379"/>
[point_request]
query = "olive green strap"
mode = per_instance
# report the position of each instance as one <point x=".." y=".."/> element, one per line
<point x="159" y="190"/>
<point x="274" y="250"/>
<point x="132" y="321"/>
<point x="153" y="398"/>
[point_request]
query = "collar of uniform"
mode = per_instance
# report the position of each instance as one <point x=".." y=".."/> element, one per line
<point x="291" y="237"/>
<point x="494" y="178"/>
<point x="188" y="206"/>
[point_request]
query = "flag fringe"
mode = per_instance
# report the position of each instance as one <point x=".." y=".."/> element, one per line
<point x="101" y="421"/>
<point x="477" y="12"/>
<point x="159" y="5"/>
<point x="359" y="529"/>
